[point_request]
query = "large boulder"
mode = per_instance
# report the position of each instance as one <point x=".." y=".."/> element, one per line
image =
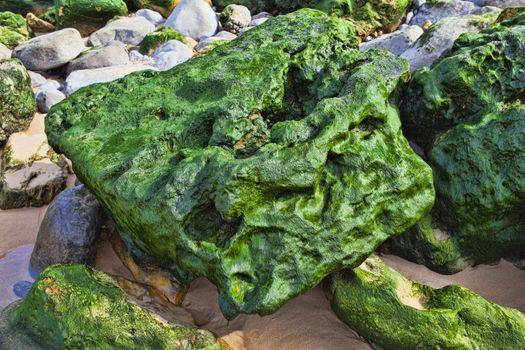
<point x="13" y="29"/>
<point x="73" y="306"/>
<point x="394" y="313"/>
<point x="87" y="15"/>
<point x="265" y="165"/>
<point x="467" y="113"/>
<point x="17" y="101"/>
<point x="51" y="50"/>
<point x="194" y="18"/>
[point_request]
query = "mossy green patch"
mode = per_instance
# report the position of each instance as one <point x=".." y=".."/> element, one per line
<point x="154" y="40"/>
<point x="13" y="29"/>
<point x="396" y="314"/>
<point x="264" y="165"/>
<point x="76" y="307"/>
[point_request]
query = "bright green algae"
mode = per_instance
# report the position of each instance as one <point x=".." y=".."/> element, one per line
<point x="397" y="314"/>
<point x="76" y="307"/>
<point x="467" y="112"/>
<point x="154" y="40"/>
<point x="13" y="29"/>
<point x="17" y="101"/>
<point x="265" y="165"/>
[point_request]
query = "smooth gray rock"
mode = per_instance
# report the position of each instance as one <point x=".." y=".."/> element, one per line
<point x="128" y="30"/>
<point x="194" y="18"/>
<point x="80" y="78"/>
<point x="113" y="53"/>
<point x="258" y="21"/>
<point x="50" y="50"/>
<point x="136" y="57"/>
<point x="152" y="16"/>
<point x="396" y="42"/>
<point x="235" y="17"/>
<point x="171" y="54"/>
<point x="5" y="52"/>
<point x="37" y="79"/>
<point x="225" y="35"/>
<point x="47" y="98"/>
<point x="69" y="230"/>
<point x="261" y="15"/>
<point x="434" y="11"/>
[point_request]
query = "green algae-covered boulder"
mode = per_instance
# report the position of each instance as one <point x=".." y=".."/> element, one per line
<point x="13" y="29"/>
<point x="87" y="16"/>
<point x="367" y="16"/>
<point x="264" y="165"/>
<point x="76" y="307"/>
<point x="17" y="101"/>
<point x="164" y="7"/>
<point x="467" y="113"/>
<point x="154" y="40"/>
<point x="394" y="313"/>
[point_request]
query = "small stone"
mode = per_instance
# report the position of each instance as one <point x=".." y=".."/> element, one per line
<point x="38" y="25"/>
<point x="129" y="30"/>
<point x="224" y="34"/>
<point x="136" y="57"/>
<point x="206" y="42"/>
<point x="47" y="98"/>
<point x="5" y="52"/>
<point x="409" y="17"/>
<point x="50" y="50"/>
<point x="37" y="79"/>
<point x="171" y="54"/>
<point x="258" y="21"/>
<point x="261" y="15"/>
<point x="152" y="16"/>
<point x="113" y="53"/>
<point x="235" y="17"/>
<point x="244" y="30"/>
<point x="396" y="42"/>
<point x="426" y="25"/>
<point x="194" y="18"/>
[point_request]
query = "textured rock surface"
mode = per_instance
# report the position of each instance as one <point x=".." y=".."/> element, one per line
<point x="73" y="306"/>
<point x="5" y="52"/>
<point x="69" y="230"/>
<point x="13" y="29"/>
<point x="433" y="11"/>
<point x="194" y="18"/>
<point x="171" y="54"/>
<point x="154" y="40"/>
<point x="395" y="313"/>
<point x="17" y="101"/>
<point x="235" y="17"/>
<point x="396" y="42"/>
<point x="87" y="15"/>
<point x="263" y="174"/>
<point x="129" y="30"/>
<point x="113" y="53"/>
<point x="50" y="50"/>
<point x="466" y="113"/>
<point x="47" y="98"/>
<point x="162" y="6"/>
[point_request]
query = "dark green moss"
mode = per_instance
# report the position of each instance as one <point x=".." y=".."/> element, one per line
<point x="264" y="165"/>
<point x="396" y="314"/>
<point x="13" y="29"/>
<point x="76" y="307"/>
<point x="154" y="40"/>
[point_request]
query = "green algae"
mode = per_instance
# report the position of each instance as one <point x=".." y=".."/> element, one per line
<point x="154" y="40"/>
<point x="76" y="307"/>
<point x="13" y="29"/>
<point x="395" y="313"/>
<point x="467" y="113"/>
<point x="270" y="162"/>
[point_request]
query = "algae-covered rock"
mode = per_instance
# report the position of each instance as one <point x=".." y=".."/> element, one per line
<point x="17" y="101"/>
<point x="154" y="40"/>
<point x="467" y="113"/>
<point x="13" y="29"/>
<point x="265" y="165"/>
<point x="395" y="313"/>
<point x="87" y="15"/>
<point x="73" y="307"/>
<point x="164" y="7"/>
<point x="368" y="16"/>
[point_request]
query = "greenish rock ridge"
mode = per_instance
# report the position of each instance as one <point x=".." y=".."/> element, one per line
<point x="76" y="307"/>
<point x="13" y="29"/>
<point x="87" y="16"/>
<point x="467" y="112"/>
<point x="17" y="100"/>
<point x="394" y="313"/>
<point x="264" y="165"/>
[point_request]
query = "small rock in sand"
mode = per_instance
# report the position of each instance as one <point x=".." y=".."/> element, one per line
<point x="194" y="18"/>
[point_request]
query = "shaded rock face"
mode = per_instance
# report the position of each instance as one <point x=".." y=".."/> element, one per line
<point x="73" y="306"/>
<point x="69" y="230"/>
<point x="395" y="313"/>
<point x="264" y="165"/>
<point x="466" y="112"/>
<point x="13" y="29"/>
<point x="17" y="100"/>
<point x="87" y="15"/>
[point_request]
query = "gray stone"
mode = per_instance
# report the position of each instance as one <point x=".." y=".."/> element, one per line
<point x="206" y="42"/>
<point x="244" y="30"/>
<point x="136" y="57"/>
<point x="418" y="3"/>
<point x="434" y="11"/>
<point x="396" y="42"/>
<point x="113" y="53"/>
<point x="171" y="54"/>
<point x="235" y="17"/>
<point x="153" y="16"/>
<point x="194" y="18"/>
<point x="47" y="98"/>
<point x="225" y="35"/>
<point x="51" y="85"/>
<point x="261" y="15"/>
<point x="50" y="50"/>
<point x="258" y="21"/>
<point x="129" y="30"/>
<point x="85" y="77"/>
<point x="69" y="230"/>
<point x="5" y="52"/>
<point x="503" y="3"/>
<point x="37" y="79"/>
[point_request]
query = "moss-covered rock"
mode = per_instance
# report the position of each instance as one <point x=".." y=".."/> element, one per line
<point x="13" y="29"/>
<point x="164" y="7"/>
<point x="17" y="101"/>
<point x="87" y="16"/>
<point x="73" y="307"/>
<point x="396" y="314"/>
<point x="154" y="40"/>
<point x="265" y="165"/>
<point x="467" y="112"/>
<point x="367" y="16"/>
